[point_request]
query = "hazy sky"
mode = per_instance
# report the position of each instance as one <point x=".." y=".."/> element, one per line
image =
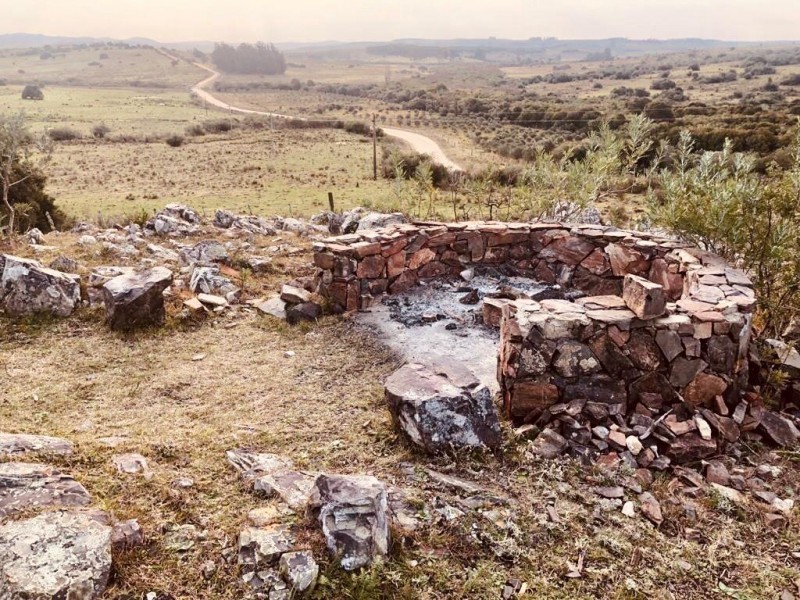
<point x="352" y="20"/>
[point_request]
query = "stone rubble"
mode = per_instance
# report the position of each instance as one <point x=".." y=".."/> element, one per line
<point x="136" y="300"/>
<point x="27" y="287"/>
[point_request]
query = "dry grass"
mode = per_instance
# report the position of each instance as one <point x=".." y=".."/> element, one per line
<point x="323" y="408"/>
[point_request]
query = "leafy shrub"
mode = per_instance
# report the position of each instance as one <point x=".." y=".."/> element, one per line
<point x="31" y="203"/>
<point x="175" y="141"/>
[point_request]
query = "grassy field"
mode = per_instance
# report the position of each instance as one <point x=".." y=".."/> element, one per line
<point x="285" y="172"/>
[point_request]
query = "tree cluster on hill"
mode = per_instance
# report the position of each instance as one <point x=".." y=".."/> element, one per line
<point x="257" y="58"/>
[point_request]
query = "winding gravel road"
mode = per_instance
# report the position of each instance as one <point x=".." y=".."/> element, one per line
<point x="418" y="142"/>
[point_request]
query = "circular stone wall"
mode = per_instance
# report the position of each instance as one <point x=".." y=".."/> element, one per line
<point x="656" y="350"/>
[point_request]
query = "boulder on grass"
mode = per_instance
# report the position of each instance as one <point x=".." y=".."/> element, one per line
<point x="353" y="513"/>
<point x="27" y="287"/>
<point x="442" y="407"/>
<point x="55" y="555"/>
<point x="26" y="486"/>
<point x="136" y="300"/>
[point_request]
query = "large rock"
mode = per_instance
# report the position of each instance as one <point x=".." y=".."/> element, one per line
<point x="136" y="300"/>
<point x="442" y="407"/>
<point x="376" y="220"/>
<point x="208" y="280"/>
<point x="780" y="429"/>
<point x="21" y="443"/>
<point x="645" y="298"/>
<point x="25" y="486"/>
<point x="27" y="287"/>
<point x="353" y="513"/>
<point x="54" y="556"/>
<point x="205" y="252"/>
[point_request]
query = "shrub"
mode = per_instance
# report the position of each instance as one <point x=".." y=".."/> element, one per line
<point x="100" y="131"/>
<point x="792" y="80"/>
<point x="31" y="203"/>
<point x="32" y="92"/>
<point x="63" y="134"/>
<point x="195" y="130"/>
<point x="175" y="141"/>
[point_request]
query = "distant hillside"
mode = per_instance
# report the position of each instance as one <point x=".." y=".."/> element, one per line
<point x="35" y="40"/>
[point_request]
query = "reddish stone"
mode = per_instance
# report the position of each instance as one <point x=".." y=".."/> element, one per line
<point x="644" y="352"/>
<point x="645" y="298"/>
<point x="378" y="287"/>
<point x="362" y="249"/>
<point x="620" y="337"/>
<point x="476" y="246"/>
<point x="527" y="396"/>
<point x="543" y="273"/>
<point x="396" y="264"/>
<point x="338" y="293"/>
<point x="344" y="267"/>
<point x="404" y="282"/>
<point x="671" y="282"/>
<point x="691" y="447"/>
<point x="371" y="267"/>
<point x="569" y="249"/>
<point x="324" y="260"/>
<point x="496" y="255"/>
<point x="493" y="310"/>
<point x="595" y="285"/>
<point x="420" y="258"/>
<point x="703" y="388"/>
<point x="626" y="261"/>
<point x="394" y="247"/>
<point x="432" y="269"/>
<point x="443" y="239"/>
<point x="416" y="242"/>
<point x="507" y="237"/>
<point x="353" y="296"/>
<point x="597" y="262"/>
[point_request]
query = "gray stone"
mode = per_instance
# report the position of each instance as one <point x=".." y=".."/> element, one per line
<point x="26" y="287"/>
<point x="574" y="359"/>
<point x="25" y="486"/>
<point x="205" y="252"/>
<point x="252" y="464"/>
<point x="442" y="407"/>
<point x="137" y="300"/>
<point x="12" y="444"/>
<point x="274" y="307"/>
<point x="54" y="556"/>
<point x="126" y="535"/>
<point x="300" y="570"/>
<point x="207" y="280"/>
<point x="670" y="343"/>
<point x="64" y="264"/>
<point x="294" y="295"/>
<point x="780" y="429"/>
<point x="132" y="464"/>
<point x="549" y="444"/>
<point x="263" y="546"/>
<point x="293" y="487"/>
<point x="353" y="513"/>
<point x="683" y="371"/>
<point x="307" y="311"/>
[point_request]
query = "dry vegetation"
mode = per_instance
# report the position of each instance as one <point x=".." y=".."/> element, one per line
<point x="323" y="406"/>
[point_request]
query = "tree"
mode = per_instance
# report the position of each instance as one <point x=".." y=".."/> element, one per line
<point x="20" y="154"/>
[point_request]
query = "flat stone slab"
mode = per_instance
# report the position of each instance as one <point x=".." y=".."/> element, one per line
<point x="25" y="486"/>
<point x="12" y="444"/>
<point x="53" y="556"/>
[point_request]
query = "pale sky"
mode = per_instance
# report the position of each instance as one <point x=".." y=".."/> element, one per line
<point x="367" y="20"/>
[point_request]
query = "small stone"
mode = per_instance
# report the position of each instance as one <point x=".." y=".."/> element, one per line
<point x="126" y="535"/>
<point x="634" y="445"/>
<point x="618" y="439"/>
<point x="132" y="464"/>
<point x="629" y="509"/>
<point x="549" y="444"/>
<point x="610" y="492"/>
<point x="716" y="472"/>
<point x="780" y="429"/>
<point x="703" y="428"/>
<point x="274" y="307"/>
<point x="294" y="295"/>
<point x="261" y="547"/>
<point x="729" y="493"/>
<point x="651" y="508"/>
<point x="300" y="570"/>
<point x="198" y="357"/>
<point x="211" y="300"/>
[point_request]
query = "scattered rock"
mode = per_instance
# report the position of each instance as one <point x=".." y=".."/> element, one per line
<point x="64" y="264"/>
<point x="307" y="311"/>
<point x="651" y="508"/>
<point x="12" y="444"/>
<point x="136" y="300"/>
<point x="26" y="485"/>
<point x="180" y="538"/>
<point x="126" y="535"/>
<point x="353" y="513"/>
<point x="54" y="555"/>
<point x="206" y="252"/>
<point x="294" y="295"/>
<point x="293" y="487"/>
<point x="549" y="444"/>
<point x="132" y="464"/>
<point x="274" y="307"/>
<point x="26" y="287"/>
<point x="300" y="570"/>
<point x="442" y="406"/>
<point x="263" y="546"/>
<point x="780" y="429"/>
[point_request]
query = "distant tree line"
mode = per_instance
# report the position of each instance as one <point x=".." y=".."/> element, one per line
<point x="257" y="58"/>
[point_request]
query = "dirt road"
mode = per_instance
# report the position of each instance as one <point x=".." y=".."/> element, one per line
<point x="418" y="142"/>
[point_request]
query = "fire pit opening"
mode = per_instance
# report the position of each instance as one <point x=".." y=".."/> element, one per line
<point x="608" y="339"/>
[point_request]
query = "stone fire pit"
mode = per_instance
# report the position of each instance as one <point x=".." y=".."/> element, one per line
<point x="649" y="363"/>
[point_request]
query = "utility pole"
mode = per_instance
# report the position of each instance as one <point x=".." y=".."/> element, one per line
<point x="374" y="149"/>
